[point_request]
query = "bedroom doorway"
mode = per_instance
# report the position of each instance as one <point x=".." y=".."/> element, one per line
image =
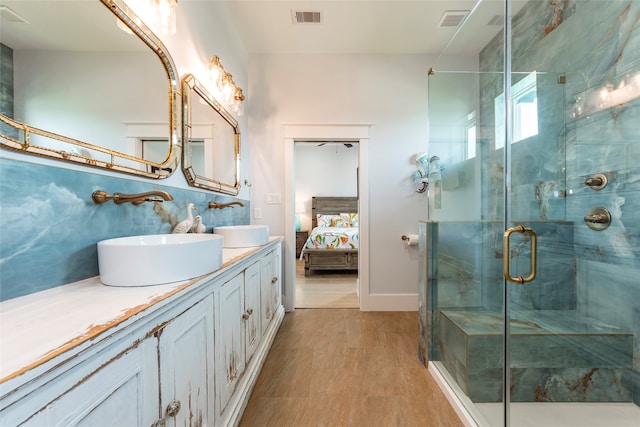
<point x="355" y="133"/>
<point x="326" y="223"/>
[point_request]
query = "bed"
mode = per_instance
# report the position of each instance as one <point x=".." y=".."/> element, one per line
<point x="333" y="240"/>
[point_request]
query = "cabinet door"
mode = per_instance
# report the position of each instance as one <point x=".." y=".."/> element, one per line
<point x="251" y="316"/>
<point x="229" y="362"/>
<point x="186" y="366"/>
<point x="270" y="287"/>
<point x="276" y="280"/>
<point x="266" y="280"/>
<point x="122" y="392"/>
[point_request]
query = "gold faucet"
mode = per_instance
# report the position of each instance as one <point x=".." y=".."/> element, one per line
<point x="100" y="197"/>
<point x="214" y="205"/>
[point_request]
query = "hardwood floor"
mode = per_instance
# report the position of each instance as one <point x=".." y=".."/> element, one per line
<point x="328" y="290"/>
<point x="344" y="367"/>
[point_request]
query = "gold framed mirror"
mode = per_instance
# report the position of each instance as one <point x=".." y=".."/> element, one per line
<point x="211" y="141"/>
<point x="91" y="85"/>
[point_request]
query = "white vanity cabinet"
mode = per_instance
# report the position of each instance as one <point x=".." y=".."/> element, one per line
<point x="251" y="317"/>
<point x="230" y="360"/>
<point x="248" y="305"/>
<point x="118" y="385"/>
<point x="184" y="354"/>
<point x="121" y="392"/>
<point x="240" y="330"/>
<point x="185" y="351"/>
<point x="270" y="287"/>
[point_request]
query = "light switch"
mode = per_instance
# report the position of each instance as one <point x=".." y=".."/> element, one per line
<point x="274" y="198"/>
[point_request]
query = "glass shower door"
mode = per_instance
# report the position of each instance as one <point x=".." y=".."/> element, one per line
<point x="571" y="246"/>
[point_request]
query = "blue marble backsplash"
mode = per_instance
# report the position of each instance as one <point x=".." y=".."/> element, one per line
<point x="49" y="225"/>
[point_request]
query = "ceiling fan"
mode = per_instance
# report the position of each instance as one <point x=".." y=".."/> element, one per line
<point x="346" y="144"/>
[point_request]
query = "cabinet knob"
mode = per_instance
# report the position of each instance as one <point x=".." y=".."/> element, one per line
<point x="245" y="316"/>
<point x="250" y="311"/>
<point x="274" y="280"/>
<point x="173" y="408"/>
<point x="159" y="423"/>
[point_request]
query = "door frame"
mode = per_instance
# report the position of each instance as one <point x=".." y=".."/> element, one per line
<point x="310" y="132"/>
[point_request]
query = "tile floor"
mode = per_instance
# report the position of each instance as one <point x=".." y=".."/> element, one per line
<point x="344" y="367"/>
<point x="332" y="289"/>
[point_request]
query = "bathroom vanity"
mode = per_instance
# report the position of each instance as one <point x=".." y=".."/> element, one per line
<point x="185" y="353"/>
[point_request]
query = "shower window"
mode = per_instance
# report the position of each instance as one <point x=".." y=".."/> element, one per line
<point x="524" y="108"/>
<point x="471" y="135"/>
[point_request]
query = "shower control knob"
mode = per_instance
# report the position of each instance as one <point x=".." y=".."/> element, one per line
<point x="596" y="182"/>
<point x="598" y="218"/>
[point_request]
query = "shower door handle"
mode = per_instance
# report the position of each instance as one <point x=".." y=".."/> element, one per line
<point x="507" y="254"/>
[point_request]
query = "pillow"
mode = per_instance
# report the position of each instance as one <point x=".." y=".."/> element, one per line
<point x="341" y="221"/>
<point x="326" y="220"/>
<point x="352" y="218"/>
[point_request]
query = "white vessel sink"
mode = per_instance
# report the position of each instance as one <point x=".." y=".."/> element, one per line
<point x="157" y="259"/>
<point x="243" y="236"/>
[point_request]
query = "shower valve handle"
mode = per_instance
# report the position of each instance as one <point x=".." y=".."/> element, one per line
<point x="597" y="181"/>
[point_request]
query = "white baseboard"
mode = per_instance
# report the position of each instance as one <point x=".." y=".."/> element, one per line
<point x="458" y="406"/>
<point x="389" y="302"/>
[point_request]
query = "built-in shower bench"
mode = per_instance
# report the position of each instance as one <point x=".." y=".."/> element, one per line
<point x="555" y="355"/>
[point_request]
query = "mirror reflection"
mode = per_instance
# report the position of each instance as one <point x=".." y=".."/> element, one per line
<point x="211" y="138"/>
<point x="76" y="87"/>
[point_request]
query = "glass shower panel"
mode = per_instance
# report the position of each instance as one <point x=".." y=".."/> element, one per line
<point x="463" y="299"/>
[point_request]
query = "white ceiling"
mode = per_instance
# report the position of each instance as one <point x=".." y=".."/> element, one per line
<point x="357" y="26"/>
<point x="266" y="26"/>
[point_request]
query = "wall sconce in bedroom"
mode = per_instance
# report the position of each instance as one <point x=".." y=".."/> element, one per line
<point x="299" y="211"/>
<point x="593" y="100"/>
<point x="228" y="93"/>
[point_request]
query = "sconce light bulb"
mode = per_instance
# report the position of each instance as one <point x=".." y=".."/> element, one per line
<point x="239" y="108"/>
<point x="228" y="88"/>
<point x="216" y="71"/>
<point x="166" y="13"/>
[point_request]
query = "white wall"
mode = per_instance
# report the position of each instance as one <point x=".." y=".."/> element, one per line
<point x="386" y="91"/>
<point x="327" y="170"/>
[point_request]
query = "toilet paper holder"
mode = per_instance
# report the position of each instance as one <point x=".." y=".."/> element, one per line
<point x="410" y="239"/>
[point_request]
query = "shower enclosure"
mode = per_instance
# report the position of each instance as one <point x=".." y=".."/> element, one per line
<point x="530" y="281"/>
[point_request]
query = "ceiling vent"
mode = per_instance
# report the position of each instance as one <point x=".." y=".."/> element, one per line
<point x="452" y="18"/>
<point x="305" y="17"/>
<point x="9" y="15"/>
<point x="496" y="21"/>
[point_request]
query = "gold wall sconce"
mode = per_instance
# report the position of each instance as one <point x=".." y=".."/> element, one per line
<point x="231" y="95"/>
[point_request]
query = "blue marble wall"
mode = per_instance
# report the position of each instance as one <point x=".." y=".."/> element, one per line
<point x="49" y="225"/>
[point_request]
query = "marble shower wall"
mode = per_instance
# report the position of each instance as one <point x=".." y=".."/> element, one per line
<point x="49" y="225"/>
<point x="590" y="44"/>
